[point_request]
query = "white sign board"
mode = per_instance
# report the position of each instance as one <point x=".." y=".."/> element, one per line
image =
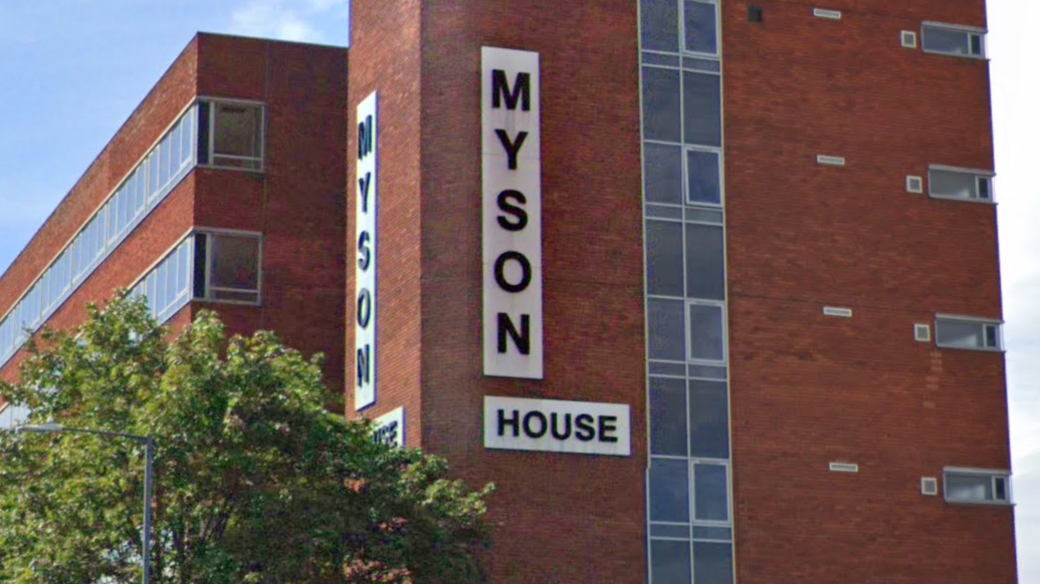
<point x="512" y="216"/>
<point x="365" y="283"/>
<point x="389" y="429"/>
<point x="557" y="426"/>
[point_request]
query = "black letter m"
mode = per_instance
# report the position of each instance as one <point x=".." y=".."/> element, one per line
<point x="500" y="89"/>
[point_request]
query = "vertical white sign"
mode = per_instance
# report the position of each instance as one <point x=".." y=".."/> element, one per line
<point x="365" y="283"/>
<point x="512" y="215"/>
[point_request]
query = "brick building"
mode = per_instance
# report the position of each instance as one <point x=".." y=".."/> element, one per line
<point x="709" y="288"/>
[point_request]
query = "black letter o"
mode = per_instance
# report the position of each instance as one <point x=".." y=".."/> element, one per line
<point x="525" y="267"/>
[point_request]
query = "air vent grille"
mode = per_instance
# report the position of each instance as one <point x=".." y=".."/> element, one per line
<point x="830" y="160"/>
<point x="828" y="14"/>
<point x="922" y="333"/>
<point x="837" y="311"/>
<point x="844" y="467"/>
<point x="914" y="184"/>
<point x="929" y="486"/>
<point x="908" y="39"/>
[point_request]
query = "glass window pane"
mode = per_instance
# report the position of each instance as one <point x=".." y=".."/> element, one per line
<point x="702" y="178"/>
<point x="187" y="139"/>
<point x="659" y="23"/>
<point x="235" y="262"/>
<point x="663" y="173"/>
<point x="237" y="130"/>
<point x="700" y="27"/>
<point x="666" y="330"/>
<point x="705" y="265"/>
<point x="702" y="109"/>
<point x="951" y="184"/>
<point x="712" y="563"/>
<point x="668" y="416"/>
<point x="669" y="490"/>
<point x="945" y="41"/>
<point x="153" y="174"/>
<point x="664" y="258"/>
<point x="706" y="338"/>
<point x="661" y="105"/>
<point x="952" y="333"/>
<point x="969" y="487"/>
<point x="709" y="419"/>
<point x="669" y="562"/>
<point x="711" y="492"/>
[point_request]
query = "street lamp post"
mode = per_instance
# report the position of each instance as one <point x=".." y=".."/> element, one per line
<point x="149" y="449"/>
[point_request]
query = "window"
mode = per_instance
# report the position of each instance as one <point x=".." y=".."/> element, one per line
<point x="706" y="332"/>
<point x="231" y="134"/>
<point x="229" y="266"/>
<point x="12" y="416"/>
<point x="703" y="177"/>
<point x="976" y="486"/>
<point x="968" y="333"/>
<point x="949" y="39"/>
<point x="953" y="183"/>
<point x="700" y="26"/>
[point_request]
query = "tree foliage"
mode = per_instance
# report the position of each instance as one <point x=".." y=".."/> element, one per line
<point x="255" y="480"/>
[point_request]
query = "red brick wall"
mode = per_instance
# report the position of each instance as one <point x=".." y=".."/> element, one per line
<point x="297" y="202"/>
<point x="809" y="389"/>
<point x="564" y="518"/>
<point x="385" y="57"/>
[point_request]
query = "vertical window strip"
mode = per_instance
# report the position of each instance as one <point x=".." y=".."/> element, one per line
<point x="703" y="493"/>
<point x="143" y="189"/>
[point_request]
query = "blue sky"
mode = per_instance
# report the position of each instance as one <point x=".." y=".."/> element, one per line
<point x="71" y="71"/>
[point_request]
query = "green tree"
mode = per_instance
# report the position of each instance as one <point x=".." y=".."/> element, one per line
<point x="256" y="481"/>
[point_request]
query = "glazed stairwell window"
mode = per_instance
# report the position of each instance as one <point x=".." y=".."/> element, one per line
<point x="227" y="267"/>
<point x="231" y="134"/>
<point x="952" y="39"/>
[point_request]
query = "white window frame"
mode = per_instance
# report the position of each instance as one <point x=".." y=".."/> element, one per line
<point x="718" y="28"/>
<point x="211" y="131"/>
<point x="721" y="304"/>
<point x="979" y="175"/>
<point x="993" y="475"/>
<point x="982" y="322"/>
<point x="208" y="288"/>
<point x="686" y="149"/>
<point x="970" y="31"/>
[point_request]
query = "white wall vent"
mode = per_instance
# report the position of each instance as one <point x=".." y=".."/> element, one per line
<point x="830" y="160"/>
<point x="825" y="13"/>
<point x="844" y="467"/>
<point x="908" y="39"/>
<point x="922" y="333"/>
<point x="837" y="311"/>
<point x="929" y="486"/>
<point x="914" y="184"/>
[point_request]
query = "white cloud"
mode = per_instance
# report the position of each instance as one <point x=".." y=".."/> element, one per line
<point x="275" y="19"/>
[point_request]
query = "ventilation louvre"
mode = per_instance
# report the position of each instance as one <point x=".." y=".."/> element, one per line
<point x="929" y="486"/>
<point x="830" y="160"/>
<point x="908" y="39"/>
<point x="837" y="311"/>
<point x="825" y="13"/>
<point x="914" y="184"/>
<point x="844" y="467"/>
<point x="922" y="333"/>
<point x="754" y="14"/>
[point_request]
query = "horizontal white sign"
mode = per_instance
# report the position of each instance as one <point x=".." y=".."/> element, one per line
<point x="389" y="429"/>
<point x="557" y="426"/>
<point x="512" y="213"/>
<point x="366" y="212"/>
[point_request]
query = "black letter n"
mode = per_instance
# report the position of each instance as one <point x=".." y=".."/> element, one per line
<point x="500" y="89"/>
<point x="522" y="338"/>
